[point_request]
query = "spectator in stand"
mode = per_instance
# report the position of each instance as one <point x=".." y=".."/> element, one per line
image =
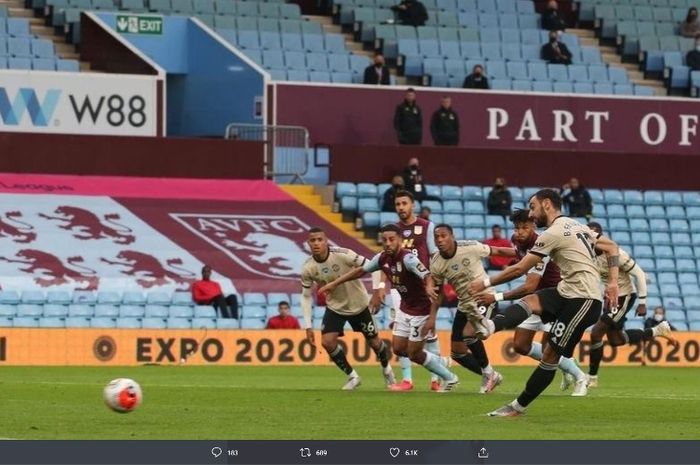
<point x="555" y="52"/>
<point x="377" y="73"/>
<point x="692" y="58"/>
<point x="499" y="201"/>
<point x="477" y="79"/>
<point x="497" y="240"/>
<point x="408" y="120"/>
<point x="577" y="199"/>
<point x="411" y="13"/>
<point x="551" y="21"/>
<point x="425" y="213"/>
<point x="414" y="181"/>
<point x="285" y="320"/>
<point x="208" y="292"/>
<point x="397" y="184"/>
<point x="444" y="125"/>
<point x="691" y="26"/>
<point x="658" y="316"/>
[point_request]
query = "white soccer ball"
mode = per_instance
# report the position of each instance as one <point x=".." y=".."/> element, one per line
<point x="123" y="395"/>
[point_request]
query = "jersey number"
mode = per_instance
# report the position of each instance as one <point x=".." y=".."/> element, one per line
<point x="558" y="331"/>
<point x="416" y="330"/>
<point x="586" y="239"/>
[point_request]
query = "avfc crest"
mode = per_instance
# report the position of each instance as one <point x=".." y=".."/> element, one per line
<point x="406" y="233"/>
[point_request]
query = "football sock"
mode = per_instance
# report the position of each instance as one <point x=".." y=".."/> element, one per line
<point x="535" y="351"/>
<point x="477" y="348"/>
<point x="433" y="346"/>
<point x="383" y="354"/>
<point x="338" y="357"/>
<point x="512" y="316"/>
<point x="568" y="365"/>
<point x="406" y="372"/>
<point x="635" y="336"/>
<point x="434" y="364"/>
<point x="596" y="357"/>
<point x="538" y="382"/>
<point x="468" y="361"/>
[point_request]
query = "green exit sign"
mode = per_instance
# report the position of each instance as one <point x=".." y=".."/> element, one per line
<point x="133" y="24"/>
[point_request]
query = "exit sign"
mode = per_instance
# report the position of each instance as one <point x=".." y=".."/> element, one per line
<point x="133" y="24"/>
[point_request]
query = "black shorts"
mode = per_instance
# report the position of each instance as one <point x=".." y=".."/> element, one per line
<point x="363" y="323"/>
<point x="616" y="317"/>
<point x="569" y="318"/>
<point x="461" y="321"/>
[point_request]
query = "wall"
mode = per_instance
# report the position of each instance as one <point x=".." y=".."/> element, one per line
<point x="130" y="156"/>
<point x="459" y="166"/>
<point x="497" y="120"/>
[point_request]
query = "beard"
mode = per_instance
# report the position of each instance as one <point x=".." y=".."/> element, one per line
<point x="541" y="221"/>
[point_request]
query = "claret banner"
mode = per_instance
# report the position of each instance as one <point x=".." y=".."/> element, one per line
<point x="498" y="120"/>
<point x="132" y="347"/>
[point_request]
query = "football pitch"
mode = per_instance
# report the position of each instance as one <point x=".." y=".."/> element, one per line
<point x="306" y="403"/>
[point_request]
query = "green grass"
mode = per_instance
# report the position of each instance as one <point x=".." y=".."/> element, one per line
<point x="306" y="403"/>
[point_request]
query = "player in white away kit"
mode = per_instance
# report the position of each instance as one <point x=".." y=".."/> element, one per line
<point x="612" y="322"/>
<point x="543" y="275"/>
<point x="571" y="307"/>
<point x="458" y="263"/>
<point x="346" y="303"/>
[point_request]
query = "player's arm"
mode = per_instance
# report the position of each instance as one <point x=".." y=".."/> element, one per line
<point x="378" y="291"/>
<point x="528" y="287"/>
<point x="503" y="252"/>
<point x="508" y="274"/>
<point x="369" y="266"/>
<point x="417" y="268"/>
<point x="612" y="252"/>
<point x="430" y="239"/>
<point x="640" y="279"/>
<point x="429" y="325"/>
<point x="306" y="307"/>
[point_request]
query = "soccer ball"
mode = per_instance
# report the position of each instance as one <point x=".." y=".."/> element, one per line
<point x="123" y="395"/>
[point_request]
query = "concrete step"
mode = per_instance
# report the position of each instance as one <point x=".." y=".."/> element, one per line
<point x="319" y="19"/>
<point x="588" y="42"/>
<point x="332" y="29"/>
<point x="12" y="4"/>
<point x="582" y="32"/>
<point x="20" y="12"/>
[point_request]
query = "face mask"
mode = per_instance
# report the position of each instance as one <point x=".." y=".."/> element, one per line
<point x="553" y="40"/>
<point x="398" y="186"/>
<point x="413" y="167"/>
<point x="658" y="317"/>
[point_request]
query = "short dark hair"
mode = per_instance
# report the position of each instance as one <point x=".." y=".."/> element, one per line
<point x="446" y="226"/>
<point x="548" y="194"/>
<point x="496" y="226"/>
<point x="520" y="216"/>
<point x="282" y="302"/>
<point x="411" y="89"/>
<point x="595" y="225"/>
<point x="206" y="267"/>
<point x="426" y="208"/>
<point x="316" y="229"/>
<point x="404" y="193"/>
<point x="390" y="227"/>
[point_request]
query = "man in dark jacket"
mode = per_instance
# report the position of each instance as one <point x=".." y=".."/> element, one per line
<point x="377" y="73"/>
<point x="408" y="120"/>
<point x="444" y="125"/>
<point x="555" y="52"/>
<point x="658" y="316"/>
<point x="499" y="201"/>
<point x="411" y="13"/>
<point x="692" y="58"/>
<point x="577" y="199"/>
<point x="477" y="79"/>
<point x="414" y="181"/>
<point x="551" y="21"/>
<point x="397" y="184"/>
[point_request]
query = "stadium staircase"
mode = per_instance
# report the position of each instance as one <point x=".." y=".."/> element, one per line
<point x="39" y="28"/>
<point x="320" y="199"/>
<point x="610" y="57"/>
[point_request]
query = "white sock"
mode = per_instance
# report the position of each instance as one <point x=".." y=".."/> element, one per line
<point x="517" y="406"/>
<point x="487" y="370"/>
<point x="434" y="348"/>
<point x="353" y="374"/>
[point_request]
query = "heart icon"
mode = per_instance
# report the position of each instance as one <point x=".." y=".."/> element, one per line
<point x="394" y="451"/>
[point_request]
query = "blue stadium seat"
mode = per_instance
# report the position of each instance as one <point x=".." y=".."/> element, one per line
<point x="342" y="189"/>
<point x="181" y="298"/>
<point x="655" y="211"/>
<point x="227" y="323"/>
<point x="55" y="310"/>
<point x="162" y="298"/>
<point x="30" y="310"/>
<point x="33" y="297"/>
<point x="52" y="322"/>
<point x="636" y="237"/>
<point x="201" y="323"/>
<point x="128" y="323"/>
<point x="663" y="251"/>
<point x="274" y="298"/>
<point x="616" y="211"/>
<point x="676" y="212"/>
<point x="636" y="211"/>
<point x="181" y="312"/>
<point x="25" y="322"/>
<point x="156" y="311"/>
<point x="108" y="297"/>
<point x="9" y="297"/>
<point x="618" y="224"/>
<point x="254" y="298"/>
<point x="252" y="323"/>
<point x="452" y="206"/>
<point x="84" y="297"/>
<point x="7" y="310"/>
<point x="103" y="322"/>
<point x="253" y="312"/>
<point x="471" y="206"/>
<point x="680" y="238"/>
<point x="178" y="323"/>
<point x="77" y="322"/>
<point x="133" y="298"/>
<point x="131" y="311"/>
<point x="658" y="224"/>
<point x="58" y="297"/>
<point x="688" y="278"/>
<point x="672" y="198"/>
<point x="153" y="323"/>
<point x="653" y="198"/>
<point x="643" y="251"/>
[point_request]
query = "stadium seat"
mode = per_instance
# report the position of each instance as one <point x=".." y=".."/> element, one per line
<point x="162" y="298"/>
<point x="252" y="323"/>
<point x="77" y="322"/>
<point x="30" y="310"/>
<point x="33" y="297"/>
<point x="153" y="323"/>
<point x="178" y="323"/>
<point x="102" y="322"/>
<point x="25" y="322"/>
<point x="84" y="297"/>
<point x="108" y="297"/>
<point x="181" y="312"/>
<point x="203" y="323"/>
<point x="131" y="311"/>
<point x="227" y="323"/>
<point x="7" y="310"/>
<point x="128" y="323"/>
<point x="254" y="298"/>
<point x="106" y="311"/>
<point x="58" y="297"/>
<point x="204" y="312"/>
<point x="55" y="311"/>
<point x="9" y="297"/>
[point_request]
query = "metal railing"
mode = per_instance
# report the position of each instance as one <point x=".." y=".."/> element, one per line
<point x="286" y="148"/>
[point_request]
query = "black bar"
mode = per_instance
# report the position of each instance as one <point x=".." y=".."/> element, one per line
<point x="349" y="452"/>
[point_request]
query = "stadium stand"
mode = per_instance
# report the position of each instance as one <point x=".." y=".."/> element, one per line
<point x="20" y="49"/>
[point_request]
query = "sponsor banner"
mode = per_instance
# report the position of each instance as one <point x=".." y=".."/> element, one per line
<point x="497" y="120"/>
<point x="105" y="347"/>
<point x="78" y="103"/>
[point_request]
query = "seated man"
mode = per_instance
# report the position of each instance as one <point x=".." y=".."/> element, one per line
<point x="208" y="292"/>
<point x="285" y="320"/>
<point x="555" y="52"/>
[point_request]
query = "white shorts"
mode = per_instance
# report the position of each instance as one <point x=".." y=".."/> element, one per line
<point x="410" y="326"/>
<point x="534" y="323"/>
